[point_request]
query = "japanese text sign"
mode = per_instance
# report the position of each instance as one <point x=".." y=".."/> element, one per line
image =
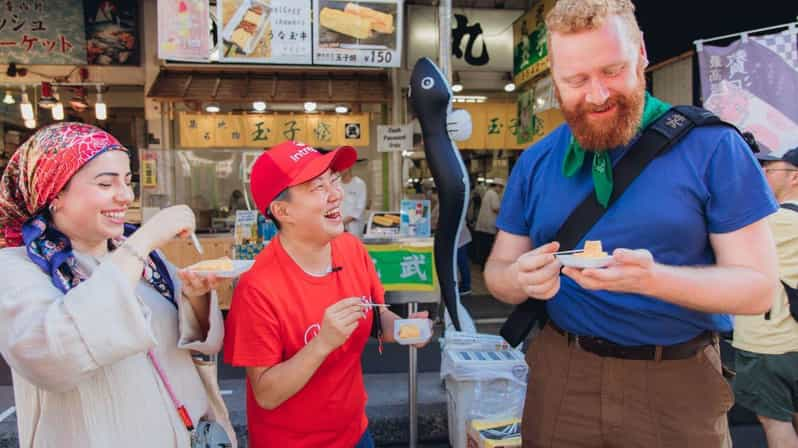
<point x="42" y="32"/>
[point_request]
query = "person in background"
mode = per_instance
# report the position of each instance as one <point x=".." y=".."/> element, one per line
<point x="237" y="202"/>
<point x="94" y="321"/>
<point x="354" y="202"/>
<point x="485" y="228"/>
<point x="766" y="359"/>
<point x="629" y="356"/>
<point x="300" y="317"/>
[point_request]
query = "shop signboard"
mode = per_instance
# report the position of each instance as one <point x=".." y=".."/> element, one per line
<point x="229" y="131"/>
<point x="197" y="130"/>
<point x="753" y="83"/>
<point x="404" y="267"/>
<point x="530" y="51"/>
<point x="265" y="31"/>
<point x="290" y="127"/>
<point x="322" y="130"/>
<point x="265" y="130"/>
<point x="42" y="32"/>
<point x="482" y="39"/>
<point x="112" y="33"/>
<point x="259" y="131"/>
<point x="394" y="138"/>
<point x="494" y="126"/>
<point x="357" y="33"/>
<point x="184" y="30"/>
<point x="355" y="129"/>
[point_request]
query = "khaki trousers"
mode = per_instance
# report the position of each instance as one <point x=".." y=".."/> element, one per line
<point x="578" y="399"/>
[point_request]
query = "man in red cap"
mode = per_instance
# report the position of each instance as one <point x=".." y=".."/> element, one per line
<point x="301" y="316"/>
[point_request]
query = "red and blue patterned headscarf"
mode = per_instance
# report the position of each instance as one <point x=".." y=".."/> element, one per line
<point x="36" y="173"/>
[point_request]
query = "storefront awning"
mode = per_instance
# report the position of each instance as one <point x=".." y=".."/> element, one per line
<point x="276" y="86"/>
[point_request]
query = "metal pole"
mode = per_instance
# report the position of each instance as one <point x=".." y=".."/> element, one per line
<point x="396" y="157"/>
<point x="445" y="38"/>
<point x="412" y="377"/>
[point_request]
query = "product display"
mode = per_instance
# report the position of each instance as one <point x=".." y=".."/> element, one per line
<point x="348" y="24"/>
<point x="380" y="21"/>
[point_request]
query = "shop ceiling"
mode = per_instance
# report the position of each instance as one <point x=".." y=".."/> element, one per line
<point x="275" y="86"/>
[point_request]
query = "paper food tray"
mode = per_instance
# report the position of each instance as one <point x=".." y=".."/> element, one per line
<point x="239" y="267"/>
<point x="230" y="27"/>
<point x="423" y="326"/>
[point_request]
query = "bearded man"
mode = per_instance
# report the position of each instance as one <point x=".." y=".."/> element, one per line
<point x="629" y="356"/>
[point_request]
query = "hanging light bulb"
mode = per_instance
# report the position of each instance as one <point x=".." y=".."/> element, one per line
<point x="25" y="107"/>
<point x="58" y="110"/>
<point x="30" y="124"/>
<point x="100" y="109"/>
<point x="310" y="106"/>
<point x="8" y="99"/>
<point x="259" y="106"/>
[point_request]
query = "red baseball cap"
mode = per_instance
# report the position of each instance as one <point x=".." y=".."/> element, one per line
<point x="292" y="163"/>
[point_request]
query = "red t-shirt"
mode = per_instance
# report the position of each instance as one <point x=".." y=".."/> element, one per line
<point x="277" y="309"/>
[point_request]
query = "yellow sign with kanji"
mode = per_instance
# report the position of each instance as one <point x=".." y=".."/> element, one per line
<point x="265" y="130"/>
<point x="229" y="131"/>
<point x="197" y="130"/>
<point x="322" y="131"/>
<point x="259" y="131"/>
<point x="290" y="127"/>
<point x="496" y="116"/>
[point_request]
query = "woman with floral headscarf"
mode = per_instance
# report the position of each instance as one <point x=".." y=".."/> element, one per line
<point x="97" y="327"/>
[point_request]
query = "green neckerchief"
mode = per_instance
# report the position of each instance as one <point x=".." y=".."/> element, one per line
<point x="602" y="164"/>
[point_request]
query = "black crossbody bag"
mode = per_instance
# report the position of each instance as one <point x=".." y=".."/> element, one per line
<point x="655" y="140"/>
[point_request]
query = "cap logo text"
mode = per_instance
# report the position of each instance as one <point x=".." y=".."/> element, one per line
<point x="297" y="156"/>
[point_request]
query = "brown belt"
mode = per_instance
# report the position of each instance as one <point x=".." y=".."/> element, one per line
<point x="605" y="348"/>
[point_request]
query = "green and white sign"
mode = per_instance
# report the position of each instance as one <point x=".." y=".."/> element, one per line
<point x="404" y="267"/>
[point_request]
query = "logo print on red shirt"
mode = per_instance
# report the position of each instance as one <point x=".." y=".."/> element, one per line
<point x="312" y="332"/>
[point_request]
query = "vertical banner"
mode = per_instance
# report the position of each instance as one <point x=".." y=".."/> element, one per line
<point x="197" y="130"/>
<point x="321" y="131"/>
<point x="229" y="131"/>
<point x="265" y="31"/>
<point x="42" y="32"/>
<point x="753" y="83"/>
<point x="354" y="129"/>
<point x="364" y="33"/>
<point x="259" y="131"/>
<point x="290" y="127"/>
<point x="184" y="30"/>
<point x="112" y="32"/>
<point x="530" y="53"/>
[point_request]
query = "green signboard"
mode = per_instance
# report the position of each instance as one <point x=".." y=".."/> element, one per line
<point x="404" y="267"/>
<point x="530" y="52"/>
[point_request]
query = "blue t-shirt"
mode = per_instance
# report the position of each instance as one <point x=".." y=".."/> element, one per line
<point x="709" y="182"/>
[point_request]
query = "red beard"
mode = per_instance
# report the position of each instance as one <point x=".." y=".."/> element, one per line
<point x="617" y="128"/>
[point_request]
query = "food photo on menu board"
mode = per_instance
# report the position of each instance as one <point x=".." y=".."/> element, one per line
<point x="272" y="31"/>
<point x="358" y="33"/>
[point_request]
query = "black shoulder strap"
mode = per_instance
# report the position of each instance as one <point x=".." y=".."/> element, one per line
<point x="789" y="206"/>
<point x="655" y="140"/>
